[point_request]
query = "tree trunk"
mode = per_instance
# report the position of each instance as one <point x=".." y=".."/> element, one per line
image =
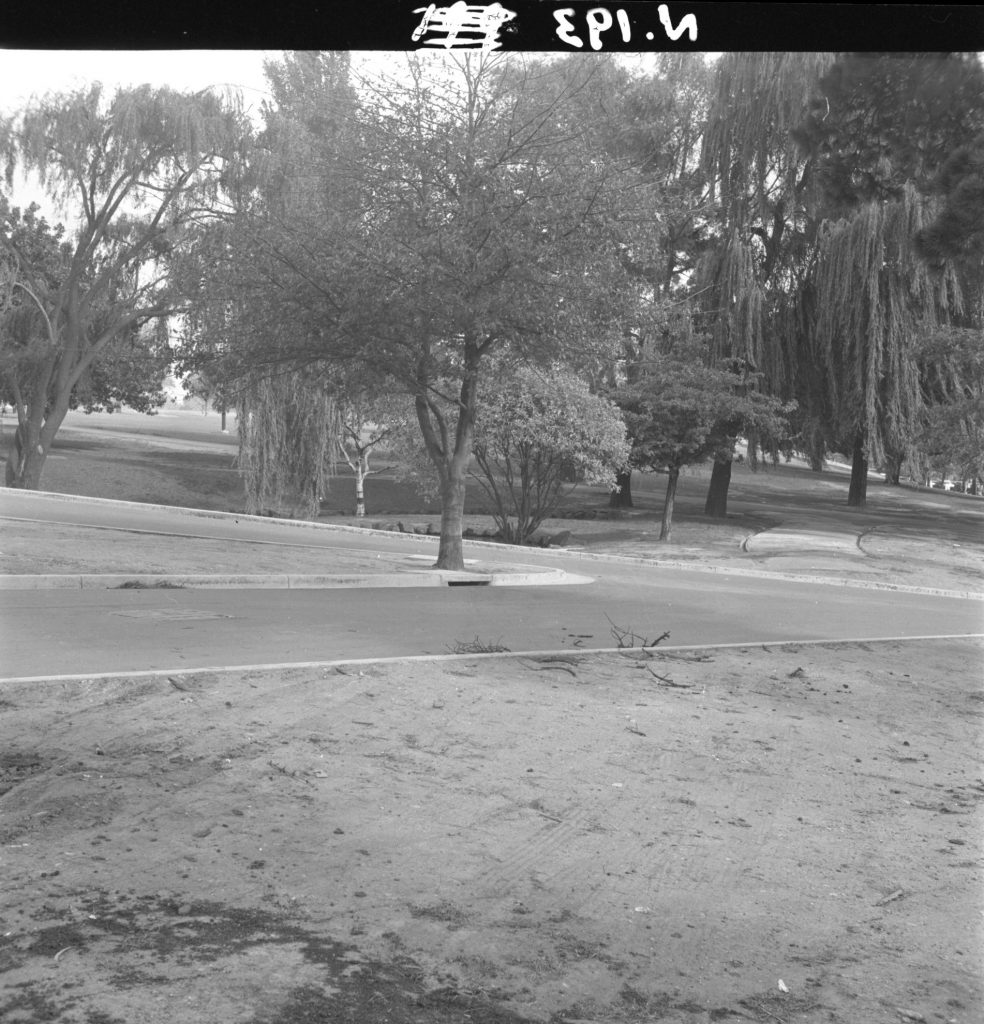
<point x="671" y="485"/>
<point x="716" y="504"/>
<point x="814" y="446"/>
<point x="33" y="467"/>
<point x="622" y="497"/>
<point x="893" y="469"/>
<point x="450" y="457"/>
<point x="752" y="450"/>
<point x="15" y="458"/>
<point x="858" y="493"/>
<point x="450" y="553"/>
<point x="26" y="456"/>
<point x="360" y="488"/>
<point x="25" y="463"/>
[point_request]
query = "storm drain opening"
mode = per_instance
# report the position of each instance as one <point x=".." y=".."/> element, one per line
<point x="468" y="583"/>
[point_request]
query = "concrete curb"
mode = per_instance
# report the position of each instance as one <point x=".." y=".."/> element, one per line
<point x="432" y="578"/>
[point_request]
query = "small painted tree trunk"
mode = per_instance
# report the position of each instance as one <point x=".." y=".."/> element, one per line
<point x="858" y="493"/>
<point x="671" y="485"/>
<point x="30" y="478"/>
<point x="716" y="504"/>
<point x="29" y="449"/>
<point x="361" y="468"/>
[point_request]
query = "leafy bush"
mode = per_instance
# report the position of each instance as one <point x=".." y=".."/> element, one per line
<point x="538" y="435"/>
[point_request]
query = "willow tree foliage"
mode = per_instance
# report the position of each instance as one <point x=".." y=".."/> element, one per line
<point x="539" y="434"/>
<point x="950" y="438"/>
<point x="875" y="301"/>
<point x="132" y="171"/>
<point x="880" y="137"/>
<point x="765" y="217"/>
<point x="288" y="434"/>
<point x="260" y="282"/>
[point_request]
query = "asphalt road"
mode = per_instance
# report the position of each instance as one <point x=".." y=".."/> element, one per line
<point x="67" y="632"/>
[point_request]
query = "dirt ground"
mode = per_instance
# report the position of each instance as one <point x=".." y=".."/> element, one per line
<point x="783" y="834"/>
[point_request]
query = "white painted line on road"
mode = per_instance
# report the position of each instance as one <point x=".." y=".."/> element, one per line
<point x="564" y="651"/>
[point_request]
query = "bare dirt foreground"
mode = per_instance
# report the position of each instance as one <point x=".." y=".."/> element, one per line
<point x="788" y="834"/>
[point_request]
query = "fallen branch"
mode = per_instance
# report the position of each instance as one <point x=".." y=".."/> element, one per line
<point x="666" y="681"/>
<point x="291" y="775"/>
<point x="626" y="638"/>
<point x="558" y="663"/>
<point x="477" y="646"/>
<point x="556" y="668"/>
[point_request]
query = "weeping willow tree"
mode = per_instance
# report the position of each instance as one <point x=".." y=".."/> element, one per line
<point x="875" y="301"/>
<point x="134" y="173"/>
<point x="289" y="434"/>
<point x="763" y="189"/>
<point x="880" y="136"/>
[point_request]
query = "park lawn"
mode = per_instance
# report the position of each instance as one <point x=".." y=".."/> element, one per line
<point x="181" y="458"/>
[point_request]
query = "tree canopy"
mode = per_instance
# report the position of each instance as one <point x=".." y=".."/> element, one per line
<point x="682" y="409"/>
<point x="464" y="214"/>
<point x="136" y="169"/>
<point x="714" y="243"/>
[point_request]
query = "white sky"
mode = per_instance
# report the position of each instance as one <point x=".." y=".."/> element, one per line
<point x="25" y="73"/>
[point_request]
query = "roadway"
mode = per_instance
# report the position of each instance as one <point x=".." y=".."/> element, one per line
<point x="49" y="633"/>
